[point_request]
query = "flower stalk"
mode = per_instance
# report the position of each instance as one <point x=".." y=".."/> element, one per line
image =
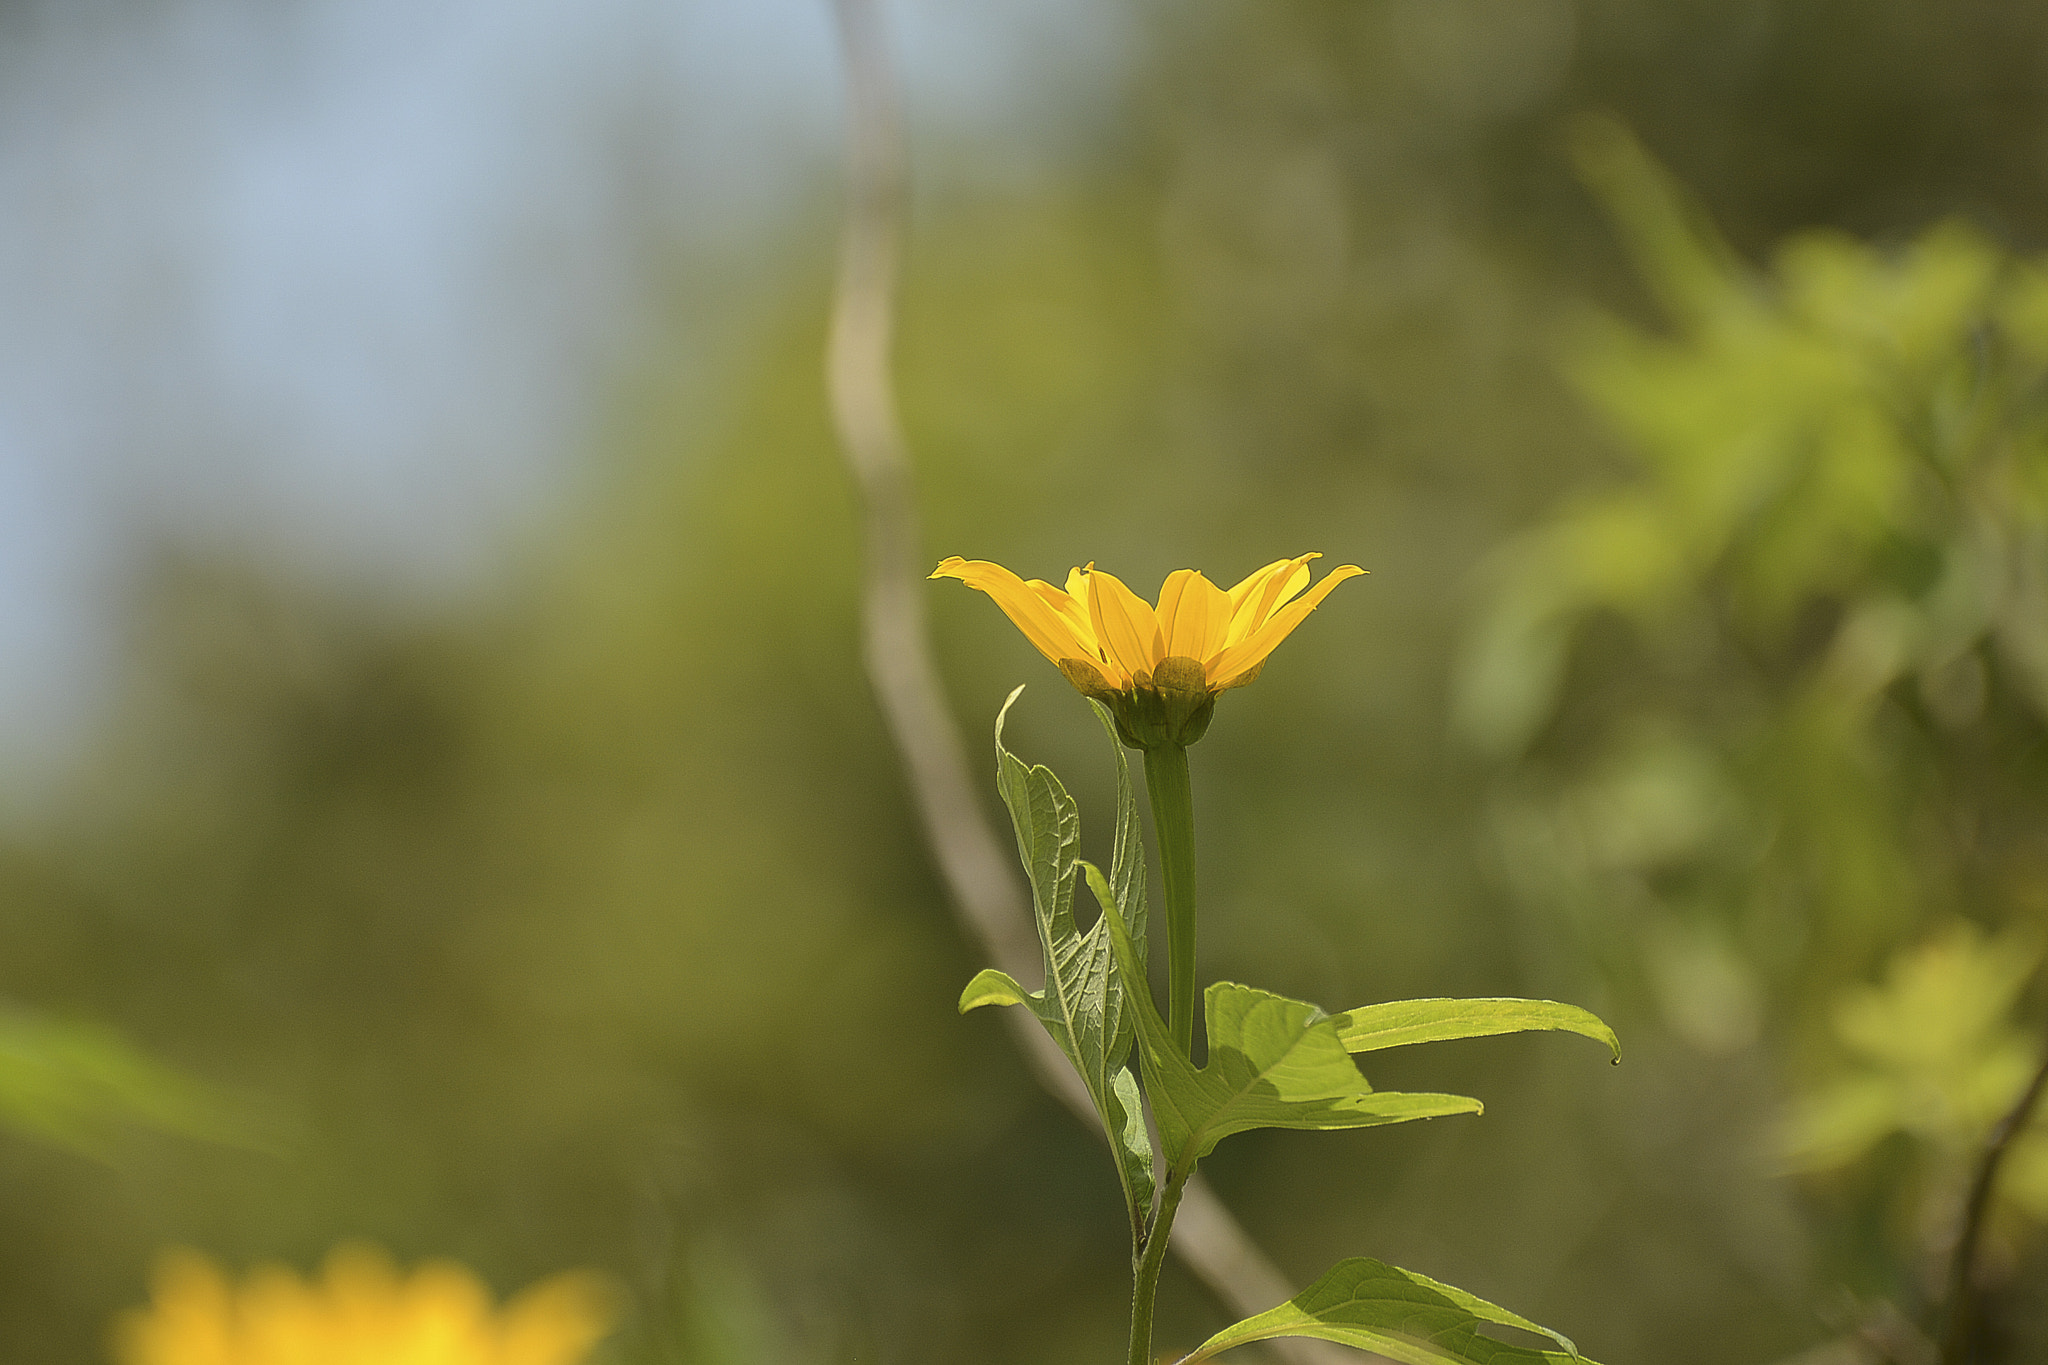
<point x="1150" y="1259"/>
<point x="1171" y="793"/>
<point x="1173" y="822"/>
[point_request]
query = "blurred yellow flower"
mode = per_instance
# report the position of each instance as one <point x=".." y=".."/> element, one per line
<point x="1114" y="646"/>
<point x="361" y="1311"/>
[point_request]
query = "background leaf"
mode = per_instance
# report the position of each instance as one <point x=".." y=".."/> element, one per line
<point x="1937" y="1056"/>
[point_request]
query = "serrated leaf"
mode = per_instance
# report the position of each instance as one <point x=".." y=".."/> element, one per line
<point x="1082" y="1003"/>
<point x="1398" y="1023"/>
<point x="1372" y="1306"/>
<point x="1273" y="1063"/>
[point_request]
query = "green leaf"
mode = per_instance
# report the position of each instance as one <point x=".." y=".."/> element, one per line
<point x="1397" y="1023"/>
<point x="992" y="987"/>
<point x="1132" y="1142"/>
<point x="1273" y="1063"/>
<point x="1372" y="1306"/>
<point x="1082" y="1004"/>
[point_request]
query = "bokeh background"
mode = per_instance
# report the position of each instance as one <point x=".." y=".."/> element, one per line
<point x="443" y="804"/>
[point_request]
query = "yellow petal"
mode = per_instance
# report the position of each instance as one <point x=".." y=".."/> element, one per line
<point x="189" y="1320"/>
<point x="1235" y="665"/>
<point x="279" y="1316"/>
<point x="557" y="1321"/>
<point x="1253" y="602"/>
<point x="1252" y="581"/>
<point x="1072" y="608"/>
<point x="1169" y="601"/>
<point x="1126" y="629"/>
<point x="1026" y="604"/>
<point x="1193" y="615"/>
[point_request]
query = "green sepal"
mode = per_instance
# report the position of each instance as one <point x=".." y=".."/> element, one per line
<point x="1273" y="1063"/>
<point x="1399" y="1023"/>
<point x="1082" y="1004"/>
<point x="1172" y="705"/>
<point x="1372" y="1306"/>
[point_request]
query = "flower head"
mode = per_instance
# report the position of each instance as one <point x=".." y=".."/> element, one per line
<point x="362" y="1311"/>
<point x="1157" y="668"/>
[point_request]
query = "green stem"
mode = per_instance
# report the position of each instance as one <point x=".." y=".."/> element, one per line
<point x="1173" y="819"/>
<point x="1146" y="1284"/>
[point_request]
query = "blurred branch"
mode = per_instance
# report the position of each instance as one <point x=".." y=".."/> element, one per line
<point x="1962" y="1275"/>
<point x="1872" y="1333"/>
<point x="984" y="888"/>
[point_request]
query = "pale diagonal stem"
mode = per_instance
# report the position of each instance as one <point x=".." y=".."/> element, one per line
<point x="983" y="886"/>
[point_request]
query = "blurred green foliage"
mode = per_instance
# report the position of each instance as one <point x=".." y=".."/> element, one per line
<point x="584" y="922"/>
<point x="74" y="1084"/>
<point x="1818" y="720"/>
<point x="1935" y="1056"/>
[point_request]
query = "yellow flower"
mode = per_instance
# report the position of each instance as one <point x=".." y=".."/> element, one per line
<point x="1158" y="668"/>
<point x="361" y="1312"/>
